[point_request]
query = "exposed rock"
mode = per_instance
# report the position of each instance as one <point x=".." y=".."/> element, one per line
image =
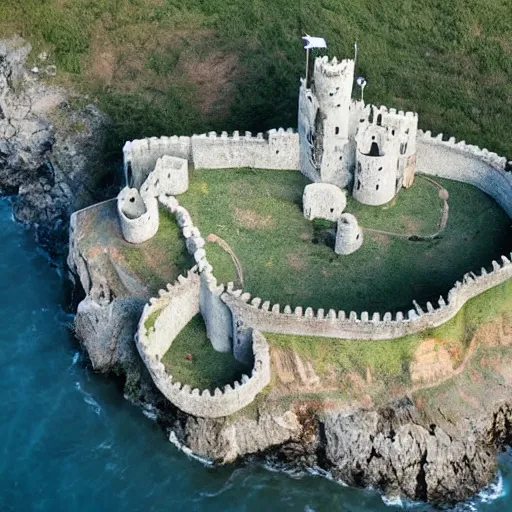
<point x="47" y="148"/>
<point x="225" y="440"/>
<point x="394" y="450"/>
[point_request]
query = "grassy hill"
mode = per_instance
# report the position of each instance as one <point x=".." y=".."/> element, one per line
<point x="169" y="67"/>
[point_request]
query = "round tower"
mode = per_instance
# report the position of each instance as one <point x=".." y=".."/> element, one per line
<point x="377" y="166"/>
<point x="349" y="236"/>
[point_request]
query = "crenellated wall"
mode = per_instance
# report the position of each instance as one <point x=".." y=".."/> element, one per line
<point x="154" y="343"/>
<point x="257" y="314"/>
<point x="464" y="162"/>
<point x="216" y="315"/>
<point x="169" y="314"/>
<point x="140" y="156"/>
<point x="280" y="150"/>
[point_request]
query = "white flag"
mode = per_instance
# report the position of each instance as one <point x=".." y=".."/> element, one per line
<point x="314" y="42"/>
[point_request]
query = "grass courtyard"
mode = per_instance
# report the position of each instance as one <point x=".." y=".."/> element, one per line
<point x="192" y="360"/>
<point x="289" y="260"/>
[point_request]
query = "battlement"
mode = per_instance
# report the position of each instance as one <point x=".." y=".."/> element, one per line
<point x="334" y="68"/>
<point x="140" y="156"/>
<point x="277" y="149"/>
<point x="253" y="312"/>
<point x="204" y="403"/>
<point x="489" y="157"/>
<point x="393" y="112"/>
<point x="459" y="161"/>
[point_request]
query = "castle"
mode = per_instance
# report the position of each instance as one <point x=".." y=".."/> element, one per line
<point x="370" y="150"/>
<point x="344" y="147"/>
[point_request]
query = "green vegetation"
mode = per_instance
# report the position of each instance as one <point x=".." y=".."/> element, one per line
<point x="389" y="360"/>
<point x="161" y="259"/>
<point x="225" y="270"/>
<point x="168" y="67"/>
<point x="192" y="360"/>
<point x="151" y="320"/>
<point x="386" y="360"/>
<point x="289" y="260"/>
<point x="416" y="210"/>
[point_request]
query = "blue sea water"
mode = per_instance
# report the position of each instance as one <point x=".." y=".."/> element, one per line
<point x="70" y="442"/>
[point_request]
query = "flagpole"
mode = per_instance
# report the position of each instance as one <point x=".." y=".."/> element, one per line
<point x="355" y="54"/>
<point x="307" y="66"/>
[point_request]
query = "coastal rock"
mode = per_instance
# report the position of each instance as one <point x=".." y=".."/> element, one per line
<point x="225" y="440"/>
<point x="47" y="148"/>
<point x="392" y="449"/>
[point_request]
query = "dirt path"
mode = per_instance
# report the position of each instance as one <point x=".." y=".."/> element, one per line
<point x="443" y="195"/>
<point x="222" y="243"/>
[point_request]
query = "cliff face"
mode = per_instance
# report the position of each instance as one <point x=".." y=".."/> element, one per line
<point x="47" y="147"/>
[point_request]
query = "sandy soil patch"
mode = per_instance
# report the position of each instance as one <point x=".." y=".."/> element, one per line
<point x="293" y="372"/>
<point x="431" y="363"/>
<point x="252" y="220"/>
<point x="496" y="333"/>
<point x="295" y="261"/>
<point x="382" y="240"/>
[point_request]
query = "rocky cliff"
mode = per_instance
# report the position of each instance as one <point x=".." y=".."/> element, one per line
<point x="48" y="146"/>
<point x="429" y="442"/>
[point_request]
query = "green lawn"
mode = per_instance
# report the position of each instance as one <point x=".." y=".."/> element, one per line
<point x="288" y="260"/>
<point x="416" y="210"/>
<point x="168" y="67"/>
<point x="192" y="360"/>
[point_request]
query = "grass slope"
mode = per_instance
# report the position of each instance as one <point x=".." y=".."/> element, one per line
<point x="389" y="361"/>
<point x="192" y="360"/>
<point x="161" y="259"/>
<point x="168" y="67"/>
<point x="286" y="261"/>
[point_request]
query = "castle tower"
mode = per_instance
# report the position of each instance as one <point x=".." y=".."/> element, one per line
<point x="349" y="235"/>
<point x="324" y="112"/>
<point x="376" y="173"/>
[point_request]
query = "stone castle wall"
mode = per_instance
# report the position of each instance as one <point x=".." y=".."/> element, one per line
<point x="140" y="156"/>
<point x="279" y="151"/>
<point x="215" y="313"/>
<point x="173" y="309"/>
<point x="170" y="313"/>
<point x="464" y="162"/>
<point x="176" y="307"/>
<point x="257" y="314"/>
